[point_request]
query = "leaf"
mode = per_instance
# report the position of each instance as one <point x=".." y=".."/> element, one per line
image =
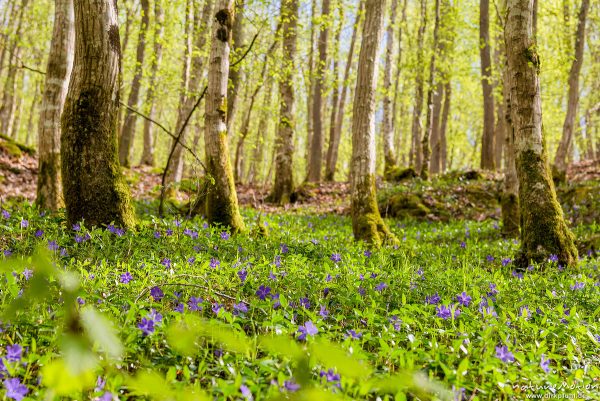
<point x="58" y="377"/>
<point x="101" y="331"/>
<point x="333" y="356"/>
<point x="281" y="345"/>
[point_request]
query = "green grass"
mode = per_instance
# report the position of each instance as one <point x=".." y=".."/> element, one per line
<point x="402" y="349"/>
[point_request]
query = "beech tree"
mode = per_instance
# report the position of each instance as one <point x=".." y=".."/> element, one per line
<point x="544" y="231"/>
<point x="94" y="187"/>
<point x="367" y="223"/>
<point x="389" y="152"/>
<point x="488" y="138"/>
<point x="58" y="72"/>
<point x="221" y="199"/>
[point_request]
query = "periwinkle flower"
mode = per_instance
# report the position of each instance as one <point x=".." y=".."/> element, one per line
<point x="577" y="286"/>
<point x="307" y="329"/>
<point x="433" y="299"/>
<point x="240" y="308"/>
<point x="463" y="298"/>
<point x="330" y="376"/>
<point x="216" y="307"/>
<point x="24" y="223"/>
<point x="195" y="303"/>
<point x="353" y="334"/>
<point x="242" y="274"/>
<point x="291" y="385"/>
<point x="381" y="286"/>
<point x="214" y="263"/>
<point x="166" y="262"/>
<point x="52" y="245"/>
<point x="180" y="307"/>
<point x="504" y="354"/>
<point x="14" y="389"/>
<point x="246" y="393"/>
<point x="14" y="353"/>
<point x="545" y="364"/>
<point x="27" y="273"/>
<point x="156" y="293"/>
<point x="336" y="257"/>
<point x="304" y="302"/>
<point x="147" y="326"/>
<point x="446" y="312"/>
<point x="263" y="292"/>
<point x="126" y="278"/>
<point x="323" y="312"/>
<point x="225" y="235"/>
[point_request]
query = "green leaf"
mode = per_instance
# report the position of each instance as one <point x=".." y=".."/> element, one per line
<point x="101" y="331"/>
<point x="333" y="356"/>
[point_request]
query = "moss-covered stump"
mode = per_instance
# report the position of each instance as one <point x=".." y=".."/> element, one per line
<point x="404" y="205"/>
<point x="13" y="148"/>
<point x="397" y="174"/>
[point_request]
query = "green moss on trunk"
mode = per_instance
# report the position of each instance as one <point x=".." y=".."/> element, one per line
<point x="544" y="231"/>
<point x="510" y="215"/>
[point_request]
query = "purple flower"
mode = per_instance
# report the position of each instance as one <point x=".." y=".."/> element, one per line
<point x="225" y="235"/>
<point x="107" y="396"/>
<point x="180" y="307"/>
<point x="362" y="291"/>
<point x="242" y="274"/>
<point x="553" y="258"/>
<point x="272" y="276"/>
<point x="489" y="258"/>
<point x="154" y="315"/>
<point x="336" y="257"/>
<point x="545" y="364"/>
<point x="367" y="253"/>
<point x="157" y="234"/>
<point x="216" y="307"/>
<point x="100" y="383"/>
<point x="157" y="293"/>
<point x="330" y="376"/>
<point x="284" y="248"/>
<point x="463" y="299"/>
<point x="517" y="274"/>
<point x="14" y="352"/>
<point x="353" y="334"/>
<point x="195" y="303"/>
<point x="463" y="245"/>
<point x="76" y="227"/>
<point x="291" y="385"/>
<point x="277" y="261"/>
<point x="577" y="286"/>
<point x="5" y="214"/>
<point x="14" y="389"/>
<point x="166" y="262"/>
<point x="504" y="354"/>
<point x="493" y="290"/>
<point x="525" y="312"/>
<point x="323" y="312"/>
<point x="276" y="302"/>
<point x="305" y="303"/>
<point x="7" y="252"/>
<point x="381" y="286"/>
<point x="263" y="292"/>
<point x="373" y="275"/>
<point x="27" y="273"/>
<point x="79" y="239"/>
<point x="445" y="312"/>
<point x="433" y="299"/>
<point x="126" y="278"/>
<point x="80" y="301"/>
<point x="169" y="232"/>
<point x="24" y="223"/>
<point x="214" y="263"/>
<point x="39" y="233"/>
<point x="246" y="393"/>
<point x="506" y="262"/>
<point x="52" y="245"/>
<point x="326" y="291"/>
<point x="240" y="308"/>
<point x="147" y="326"/>
<point x="308" y="328"/>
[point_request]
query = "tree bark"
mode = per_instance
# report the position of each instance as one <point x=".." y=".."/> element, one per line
<point x="444" y="125"/>
<point x="159" y="20"/>
<point x="128" y="132"/>
<point x="566" y="142"/>
<point x="415" y="157"/>
<point x="397" y="91"/>
<point x="334" y="145"/>
<point x="259" y="151"/>
<point x="93" y="185"/>
<point x="488" y="138"/>
<point x="58" y="73"/>
<point x="221" y="200"/>
<point x="236" y="75"/>
<point x="425" y="145"/>
<point x="316" y="146"/>
<point x="544" y="231"/>
<point x="310" y="86"/>
<point x="283" y="186"/>
<point x="389" y="153"/>
<point x="367" y="223"/>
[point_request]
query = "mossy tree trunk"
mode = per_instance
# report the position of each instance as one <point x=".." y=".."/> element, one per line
<point x="149" y="139"/>
<point x="543" y="227"/>
<point x="93" y="185"/>
<point x="488" y="137"/>
<point x="127" y="137"/>
<point x="221" y="200"/>
<point x="389" y="151"/>
<point x="283" y="186"/>
<point x="566" y="142"/>
<point x="367" y="223"/>
<point x="415" y="156"/>
<point x="58" y="72"/>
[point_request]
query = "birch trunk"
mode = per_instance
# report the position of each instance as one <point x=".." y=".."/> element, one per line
<point x="93" y="185"/>
<point x="58" y="73"/>
<point x="221" y="200"/>
<point x="543" y="227"/>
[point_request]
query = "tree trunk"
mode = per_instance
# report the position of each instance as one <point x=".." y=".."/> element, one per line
<point x="128" y="132"/>
<point x="436" y="145"/>
<point x="221" y="200"/>
<point x="543" y="227"/>
<point x="444" y="125"/>
<point x="93" y="185"/>
<point x="260" y="149"/>
<point x="425" y="145"/>
<point x="335" y="97"/>
<point x="159" y="20"/>
<point x="187" y="102"/>
<point x="283" y="186"/>
<point x="7" y="107"/>
<point x="334" y="145"/>
<point x="316" y="146"/>
<point x="415" y="158"/>
<point x="397" y="91"/>
<point x="236" y="75"/>
<point x="488" y="138"/>
<point x="58" y="72"/>
<point x="565" y="145"/>
<point x="367" y="223"/>
<point x="389" y="153"/>
<point x="310" y="86"/>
